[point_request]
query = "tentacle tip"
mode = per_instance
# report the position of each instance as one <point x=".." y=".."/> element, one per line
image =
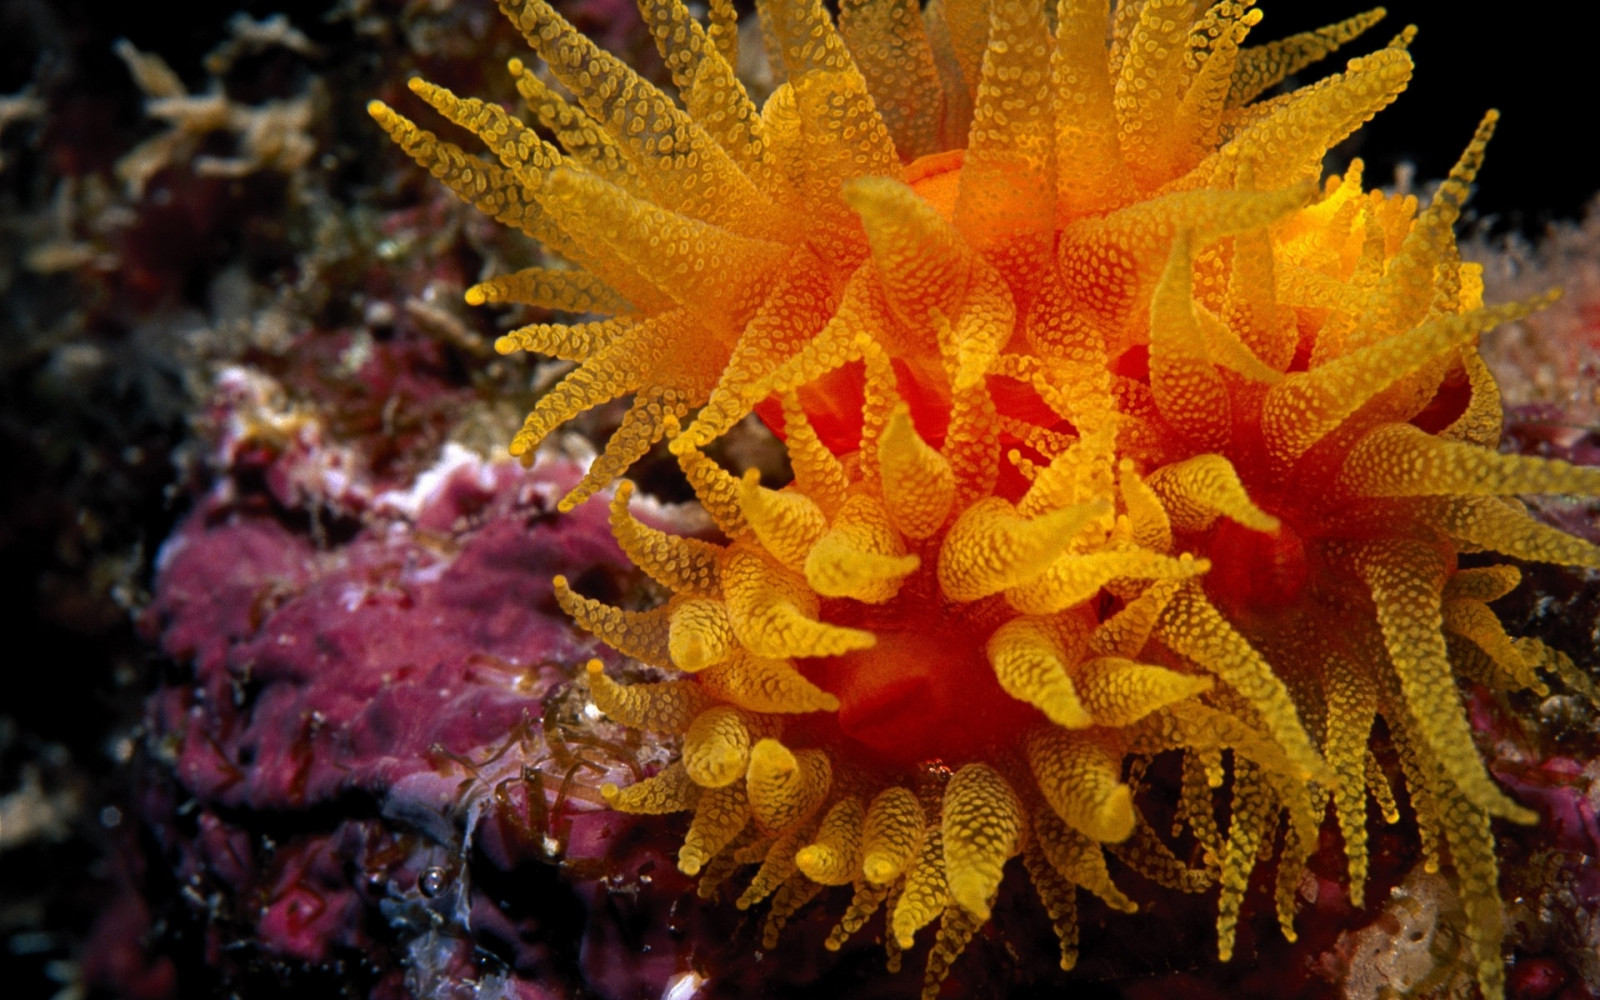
<point x="688" y="657"/>
<point x="1116" y="819"/>
<point x="972" y="892"/>
<point x="1521" y="815"/>
<point x="772" y="756"/>
<point x="1070" y="716"/>
<point x="979" y="909"/>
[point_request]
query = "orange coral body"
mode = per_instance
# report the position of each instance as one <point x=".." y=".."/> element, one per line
<point x="1114" y="435"/>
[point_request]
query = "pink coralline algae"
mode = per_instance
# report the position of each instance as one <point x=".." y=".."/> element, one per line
<point x="319" y="672"/>
<point x="371" y="710"/>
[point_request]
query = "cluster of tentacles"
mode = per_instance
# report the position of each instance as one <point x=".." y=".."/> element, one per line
<point x="1114" y="435"/>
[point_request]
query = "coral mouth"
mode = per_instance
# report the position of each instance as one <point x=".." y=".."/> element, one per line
<point x="1255" y="572"/>
<point x="882" y="718"/>
<point x="921" y="695"/>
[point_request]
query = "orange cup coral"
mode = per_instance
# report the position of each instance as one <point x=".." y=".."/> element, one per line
<point x="1114" y="435"/>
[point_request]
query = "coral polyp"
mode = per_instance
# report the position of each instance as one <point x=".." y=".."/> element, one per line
<point x="1116" y="431"/>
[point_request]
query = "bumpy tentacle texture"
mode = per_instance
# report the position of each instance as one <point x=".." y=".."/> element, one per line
<point x="1114" y="435"/>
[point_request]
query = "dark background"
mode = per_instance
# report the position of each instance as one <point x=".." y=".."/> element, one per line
<point x="1533" y="61"/>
